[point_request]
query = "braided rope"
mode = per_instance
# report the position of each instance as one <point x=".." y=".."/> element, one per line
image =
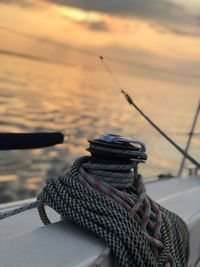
<point x="7" y="214"/>
<point x="110" y="200"/>
<point x="137" y="230"/>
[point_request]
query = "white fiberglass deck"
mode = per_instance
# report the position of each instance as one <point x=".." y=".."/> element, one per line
<point x="24" y="241"/>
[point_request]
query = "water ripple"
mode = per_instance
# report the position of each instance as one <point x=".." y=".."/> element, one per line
<point x="83" y="104"/>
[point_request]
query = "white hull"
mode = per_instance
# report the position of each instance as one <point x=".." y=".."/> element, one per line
<point x="25" y="242"/>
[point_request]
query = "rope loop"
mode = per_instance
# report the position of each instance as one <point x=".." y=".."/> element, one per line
<point x="41" y="210"/>
<point x="105" y="193"/>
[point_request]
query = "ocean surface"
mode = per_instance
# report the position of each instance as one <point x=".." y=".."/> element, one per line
<point x="83" y="102"/>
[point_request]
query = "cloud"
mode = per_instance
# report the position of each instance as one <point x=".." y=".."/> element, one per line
<point x="151" y="64"/>
<point x="48" y="41"/>
<point x="143" y="8"/>
<point x="97" y="26"/>
<point x="100" y="25"/>
<point x="183" y="30"/>
<point x="23" y="3"/>
<point x="10" y="1"/>
<point x="172" y="16"/>
<point x="19" y="2"/>
<point x="32" y="57"/>
<point x="166" y="14"/>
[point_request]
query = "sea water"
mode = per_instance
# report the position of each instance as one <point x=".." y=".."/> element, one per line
<point x="82" y="101"/>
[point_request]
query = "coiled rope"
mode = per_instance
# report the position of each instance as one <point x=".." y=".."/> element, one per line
<point x="105" y="194"/>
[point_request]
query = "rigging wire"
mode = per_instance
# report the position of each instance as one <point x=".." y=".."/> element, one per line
<point x="132" y="103"/>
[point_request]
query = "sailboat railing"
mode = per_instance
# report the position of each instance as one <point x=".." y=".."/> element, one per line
<point x="193" y="169"/>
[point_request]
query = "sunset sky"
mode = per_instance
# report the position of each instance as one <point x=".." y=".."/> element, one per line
<point x="156" y="36"/>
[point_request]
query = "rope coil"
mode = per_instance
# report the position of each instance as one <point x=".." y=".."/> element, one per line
<point x="105" y="194"/>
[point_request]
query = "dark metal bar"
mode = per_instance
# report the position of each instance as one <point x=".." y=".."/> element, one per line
<point x="191" y="133"/>
<point x="9" y="141"/>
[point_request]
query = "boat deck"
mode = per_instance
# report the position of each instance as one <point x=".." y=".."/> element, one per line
<point x="24" y="241"/>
